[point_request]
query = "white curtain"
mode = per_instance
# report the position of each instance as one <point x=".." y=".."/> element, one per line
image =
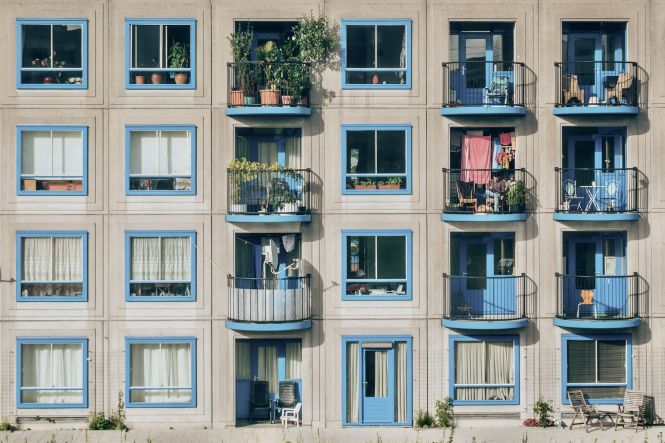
<point x="469" y="369"/>
<point x="400" y="381"/>
<point x="52" y="365"/>
<point x="267" y="152"/>
<point x="165" y="258"/>
<point x="243" y="362"/>
<point x="145" y="258"/>
<point x="293" y="360"/>
<point x="380" y="373"/>
<point x="268" y="366"/>
<point x="176" y="253"/>
<point x="48" y="259"/>
<point x="293" y="152"/>
<point x="164" y="368"/>
<point x="155" y="153"/>
<point x="52" y="153"/>
<point x="499" y="369"/>
<point x="352" y="382"/>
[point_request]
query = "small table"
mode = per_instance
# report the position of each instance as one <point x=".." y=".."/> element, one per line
<point x="592" y="192"/>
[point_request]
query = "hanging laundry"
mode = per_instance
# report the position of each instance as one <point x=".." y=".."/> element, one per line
<point x="270" y="251"/>
<point x="289" y="242"/>
<point x="476" y="152"/>
<point x="496" y="153"/>
<point x="506" y="138"/>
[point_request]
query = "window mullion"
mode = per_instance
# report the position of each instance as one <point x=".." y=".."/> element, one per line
<point x="51" y="368"/>
<point x="52" y="259"/>
<point x="376" y="257"/>
<point x="51" y="52"/>
<point x="376" y="152"/>
<point x="166" y="46"/>
<point x="52" y="156"/>
<point x="161" y="46"/>
<point x="160" y="274"/>
<point x="376" y="46"/>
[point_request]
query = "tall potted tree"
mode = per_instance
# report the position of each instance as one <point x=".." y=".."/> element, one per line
<point x="178" y="59"/>
<point x="241" y="46"/>
<point x="268" y="56"/>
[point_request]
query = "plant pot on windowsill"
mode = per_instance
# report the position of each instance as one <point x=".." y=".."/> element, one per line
<point x="181" y="78"/>
<point x="48" y="79"/>
<point x="237" y="98"/>
<point x="269" y="97"/>
<point x="156" y="78"/>
<point x="288" y="100"/>
<point x="139" y="79"/>
<point x="388" y="185"/>
<point x="364" y="187"/>
<point x="249" y="101"/>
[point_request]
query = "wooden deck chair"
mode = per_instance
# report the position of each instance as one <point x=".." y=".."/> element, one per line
<point x="621" y="89"/>
<point x="572" y="93"/>
<point x="466" y="194"/>
<point x="585" y="411"/>
<point x="631" y="413"/>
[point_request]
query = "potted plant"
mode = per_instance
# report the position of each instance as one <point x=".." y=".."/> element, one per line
<point x="250" y="87"/>
<point x="241" y="46"/>
<point x="268" y="56"/>
<point x="391" y="183"/>
<point x="179" y="59"/>
<point x="156" y="77"/>
<point x="516" y="196"/>
<point x="139" y="79"/>
<point x="48" y="62"/>
<point x="365" y="184"/>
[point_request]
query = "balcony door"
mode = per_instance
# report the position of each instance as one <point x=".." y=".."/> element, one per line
<point x="378" y="383"/>
<point x="474" y="54"/>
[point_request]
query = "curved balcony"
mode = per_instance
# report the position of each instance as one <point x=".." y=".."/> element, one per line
<point x="269" y="196"/>
<point x="264" y="304"/>
<point x="484" y="195"/>
<point x="598" y="301"/>
<point x="586" y="194"/>
<point x="485" y="303"/>
<point x="598" y="88"/>
<point x="485" y="88"/>
<point x="268" y="89"/>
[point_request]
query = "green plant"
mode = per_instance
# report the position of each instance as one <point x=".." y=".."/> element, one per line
<point x="393" y="181"/>
<point x="115" y="420"/>
<point x="516" y="195"/>
<point x="5" y="426"/>
<point x="443" y="413"/>
<point x="179" y="56"/>
<point x="268" y="54"/>
<point x="315" y="39"/>
<point x="241" y="47"/>
<point x="424" y="419"/>
<point x="542" y="410"/>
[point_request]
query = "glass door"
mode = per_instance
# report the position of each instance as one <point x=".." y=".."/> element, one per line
<point x="378" y="385"/>
<point x="475" y="51"/>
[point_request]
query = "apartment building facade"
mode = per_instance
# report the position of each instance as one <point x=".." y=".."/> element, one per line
<point x="469" y="208"/>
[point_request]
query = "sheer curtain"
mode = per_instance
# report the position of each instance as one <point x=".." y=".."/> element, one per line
<point x="52" y="259"/>
<point x="268" y="366"/>
<point x="469" y="369"/>
<point x="481" y="363"/>
<point x="160" y="367"/>
<point x="352" y="382"/>
<point x="267" y="152"/>
<point x="243" y="362"/>
<point x="52" y="153"/>
<point x="293" y="152"/>
<point x="165" y="258"/>
<point x="380" y="373"/>
<point x="400" y="381"/>
<point x="499" y="369"/>
<point x="52" y="365"/>
<point x="155" y="153"/>
<point x="176" y="258"/>
<point x="293" y="360"/>
<point x="145" y="258"/>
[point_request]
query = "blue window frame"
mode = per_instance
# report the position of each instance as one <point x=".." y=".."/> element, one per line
<point x="51" y="160"/>
<point x="160" y="160"/>
<point x="484" y="387"/>
<point x="377" y="265"/>
<point x="160" y="53"/>
<point x="601" y="366"/>
<point x="51" y="54"/>
<point x="39" y="386"/>
<point x="371" y="400"/>
<point x="160" y="266"/>
<point x="171" y="383"/>
<point x="376" y="54"/>
<point x="51" y="266"/>
<point x="376" y="159"/>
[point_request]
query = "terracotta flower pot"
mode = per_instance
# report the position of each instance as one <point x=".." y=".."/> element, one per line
<point x="237" y="98"/>
<point x="375" y="79"/>
<point x="269" y="97"/>
<point x="48" y="79"/>
<point x="156" y="78"/>
<point x="139" y="79"/>
<point x="364" y="187"/>
<point x="181" y="78"/>
<point x="288" y="100"/>
<point x="388" y="186"/>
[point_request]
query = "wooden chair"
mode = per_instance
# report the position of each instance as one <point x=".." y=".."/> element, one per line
<point x="631" y="413"/>
<point x="467" y="199"/>
<point x="585" y="411"/>
<point x="572" y="93"/>
<point x="620" y="89"/>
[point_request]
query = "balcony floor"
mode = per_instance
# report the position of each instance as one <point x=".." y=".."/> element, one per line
<point x="268" y="327"/>
<point x="590" y="323"/>
<point x="482" y="217"/>
<point x="481" y="110"/>
<point x="484" y="324"/>
<point x="596" y="110"/>
<point x="269" y="218"/>
<point x="269" y="111"/>
<point x="596" y="216"/>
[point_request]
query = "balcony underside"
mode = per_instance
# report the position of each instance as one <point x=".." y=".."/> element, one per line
<point x="482" y="217"/>
<point x="269" y="327"/>
<point x="269" y="218"/>
<point x="596" y="110"/>
<point x="269" y="111"/>
<point x="590" y="323"/>
<point x="489" y="110"/>
<point x="484" y="324"/>
<point x="597" y="216"/>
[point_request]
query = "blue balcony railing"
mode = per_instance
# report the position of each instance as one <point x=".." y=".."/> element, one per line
<point x="598" y="297"/>
<point x="502" y="297"/>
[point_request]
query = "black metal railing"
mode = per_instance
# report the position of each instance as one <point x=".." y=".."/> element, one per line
<point x="502" y="297"/>
<point x="499" y="191"/>
<point x="484" y="84"/>
<point x="268" y="84"/>
<point x="285" y="191"/>
<point x="587" y="190"/>
<point x="598" y="83"/>
<point x="266" y="300"/>
<point x="602" y="297"/>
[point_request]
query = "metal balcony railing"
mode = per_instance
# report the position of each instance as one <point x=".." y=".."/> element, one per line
<point x="498" y="191"/>
<point x="502" y="297"/>
<point x="598" y="83"/>
<point x="484" y="84"/>
<point x="601" y="297"/>
<point x="268" y="84"/>
<point x="285" y="191"/>
<point x="266" y="300"/>
<point x="586" y="190"/>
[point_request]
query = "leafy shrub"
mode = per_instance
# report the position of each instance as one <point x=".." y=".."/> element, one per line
<point x="114" y="422"/>
<point x="4" y="426"/>
<point x="424" y="419"/>
<point x="543" y="409"/>
<point x="443" y="413"/>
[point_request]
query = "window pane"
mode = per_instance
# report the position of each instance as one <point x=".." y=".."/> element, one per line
<point x="360" y="46"/>
<point x="176" y="264"/>
<point x="67" y="153"/>
<point x="391" y="152"/>
<point x="36" y="45"/>
<point x="67" y="46"/>
<point x="145" y="258"/>
<point x="144" y="147"/>
<point x="391" y="256"/>
<point x="160" y="267"/>
<point x="175" y="150"/>
<point x="611" y="361"/>
<point x="165" y="368"/>
<point x="177" y="34"/>
<point x="391" y="51"/>
<point x="504" y="256"/>
<point x="361" y="257"/>
<point x="49" y="366"/>
<point x="146" y="46"/>
<point x="601" y="392"/>
<point x="360" y="153"/>
<point x="581" y="361"/>
<point x="37" y="153"/>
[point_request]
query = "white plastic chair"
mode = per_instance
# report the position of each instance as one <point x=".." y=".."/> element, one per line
<point x="291" y="415"/>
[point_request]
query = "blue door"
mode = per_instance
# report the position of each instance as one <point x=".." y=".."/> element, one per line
<point x="475" y="51"/>
<point x="585" y="52"/>
<point x="378" y="384"/>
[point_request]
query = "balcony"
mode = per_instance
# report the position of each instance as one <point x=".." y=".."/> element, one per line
<point x="268" y="89"/>
<point x="485" y="88"/>
<point x="587" y="194"/>
<point x="485" y="303"/>
<point x="269" y="196"/>
<point x="598" y="302"/>
<point x="482" y="195"/>
<point x="264" y="304"/>
<point x="598" y="88"/>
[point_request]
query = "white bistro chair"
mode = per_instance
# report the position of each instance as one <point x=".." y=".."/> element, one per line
<point x="291" y="415"/>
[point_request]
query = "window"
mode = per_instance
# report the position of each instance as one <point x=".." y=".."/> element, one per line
<point x="484" y="370"/>
<point x="52" y="373"/>
<point x="52" y="266"/>
<point x="52" y="160"/>
<point x="376" y="159"/>
<point x="161" y="266"/>
<point x="377" y="265"/>
<point x="600" y="366"/>
<point x="376" y="54"/>
<point x="160" y="54"/>
<point x="161" y="372"/>
<point x="161" y="160"/>
<point x="52" y="54"/>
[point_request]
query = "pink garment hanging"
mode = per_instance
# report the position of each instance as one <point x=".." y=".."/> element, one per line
<point x="506" y="138"/>
<point x="476" y="151"/>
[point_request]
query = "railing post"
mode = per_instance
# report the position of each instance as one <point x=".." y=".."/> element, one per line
<point x="559" y="295"/>
<point x="635" y="192"/>
<point x="524" y="297"/>
<point x="446" y="309"/>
